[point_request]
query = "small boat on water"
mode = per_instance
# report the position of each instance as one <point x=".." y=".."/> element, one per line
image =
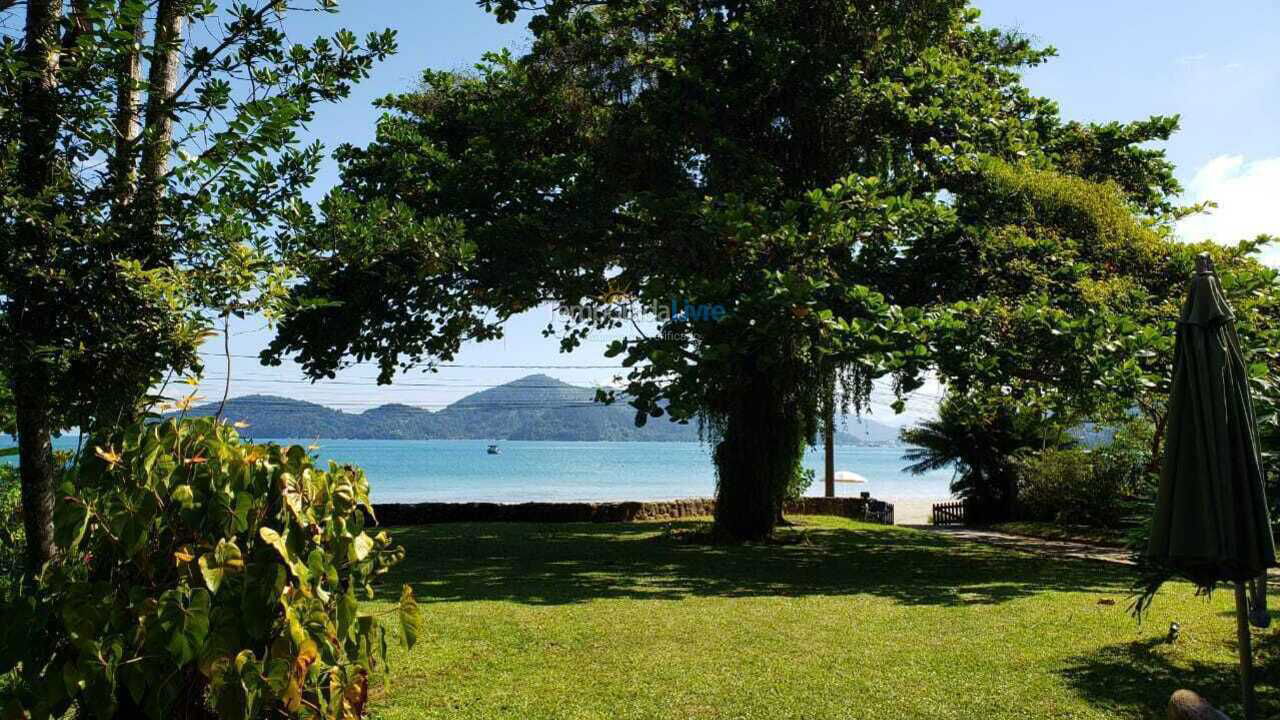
<point x="494" y="450"/>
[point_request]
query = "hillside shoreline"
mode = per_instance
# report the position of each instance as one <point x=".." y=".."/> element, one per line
<point x="536" y="407"/>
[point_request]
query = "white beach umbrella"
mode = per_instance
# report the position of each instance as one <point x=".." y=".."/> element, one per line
<point x="844" y="476"/>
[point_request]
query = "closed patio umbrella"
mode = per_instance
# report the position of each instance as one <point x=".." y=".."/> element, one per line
<point x="1211" y="522"/>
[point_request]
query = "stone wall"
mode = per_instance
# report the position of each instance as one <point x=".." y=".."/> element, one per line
<point x="429" y="513"/>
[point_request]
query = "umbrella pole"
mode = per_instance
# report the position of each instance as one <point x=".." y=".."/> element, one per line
<point x="1246" y="653"/>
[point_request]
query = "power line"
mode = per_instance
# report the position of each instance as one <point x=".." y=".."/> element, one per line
<point x="454" y="365"/>
<point x="406" y="387"/>
<point x="236" y="380"/>
<point x="233" y="406"/>
<point x="464" y="404"/>
<point x="249" y="401"/>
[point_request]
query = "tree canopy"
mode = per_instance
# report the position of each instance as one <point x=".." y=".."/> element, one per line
<point x="858" y="185"/>
<point x="145" y="175"/>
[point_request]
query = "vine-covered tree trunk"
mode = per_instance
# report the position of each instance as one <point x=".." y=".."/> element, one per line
<point x="42" y="46"/>
<point x="128" y="124"/>
<point x="162" y="83"/>
<point x="761" y="444"/>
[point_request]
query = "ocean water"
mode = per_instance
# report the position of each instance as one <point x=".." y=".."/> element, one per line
<point x="462" y="471"/>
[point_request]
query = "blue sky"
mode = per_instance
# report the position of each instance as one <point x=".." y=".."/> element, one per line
<point x="1215" y="64"/>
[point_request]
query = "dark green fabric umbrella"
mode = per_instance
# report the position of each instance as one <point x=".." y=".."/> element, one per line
<point x="1211" y="521"/>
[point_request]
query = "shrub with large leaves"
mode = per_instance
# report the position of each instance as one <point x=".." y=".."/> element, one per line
<point x="203" y="576"/>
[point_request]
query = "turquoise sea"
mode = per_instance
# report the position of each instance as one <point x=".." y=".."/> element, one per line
<point x="462" y="471"/>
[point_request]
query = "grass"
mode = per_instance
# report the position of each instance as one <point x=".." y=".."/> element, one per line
<point x="1105" y="537"/>
<point x="847" y="621"/>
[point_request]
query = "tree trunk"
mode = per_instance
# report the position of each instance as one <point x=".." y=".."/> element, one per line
<point x="1010" y="494"/>
<point x="124" y="176"/>
<point x="157" y="146"/>
<point x="829" y="443"/>
<point x="1157" y="444"/>
<point x="28" y="305"/>
<point x="36" y="469"/>
<point x="760" y="447"/>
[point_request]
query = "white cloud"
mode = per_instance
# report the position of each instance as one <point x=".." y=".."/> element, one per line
<point x="1248" y="196"/>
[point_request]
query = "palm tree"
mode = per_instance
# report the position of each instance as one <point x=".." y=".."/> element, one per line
<point x="979" y="439"/>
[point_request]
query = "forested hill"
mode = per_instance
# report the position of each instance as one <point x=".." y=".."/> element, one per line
<point x="537" y="407"/>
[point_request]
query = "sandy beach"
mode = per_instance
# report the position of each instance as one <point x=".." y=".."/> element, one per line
<point x="911" y="511"/>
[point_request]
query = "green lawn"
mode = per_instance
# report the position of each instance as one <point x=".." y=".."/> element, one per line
<point x="853" y="621"/>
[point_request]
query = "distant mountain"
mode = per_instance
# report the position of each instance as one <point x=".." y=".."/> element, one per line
<point x="272" y="416"/>
<point x="537" y="407"/>
<point x="865" y="431"/>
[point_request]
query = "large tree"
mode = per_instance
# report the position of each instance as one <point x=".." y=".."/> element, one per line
<point x="145" y="172"/>
<point x="813" y="168"/>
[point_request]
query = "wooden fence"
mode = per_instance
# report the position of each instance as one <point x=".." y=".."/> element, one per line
<point x="951" y="513"/>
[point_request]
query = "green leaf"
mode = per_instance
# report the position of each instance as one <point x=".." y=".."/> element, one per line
<point x="274" y="539"/>
<point x="410" y="618"/>
<point x="149" y="458"/>
<point x="186" y="623"/>
<point x="214" y="565"/>
<point x="184" y="496"/>
<point x="277" y="675"/>
<point x="348" y="608"/>
<point x="244" y="504"/>
<point x="365" y="625"/>
<point x="198" y="615"/>
<point x="72" y="678"/>
<point x="264" y="581"/>
<point x="70" y="518"/>
<point x="211" y="572"/>
<point x="361" y="546"/>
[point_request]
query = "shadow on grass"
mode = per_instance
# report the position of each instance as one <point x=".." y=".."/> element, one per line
<point x="572" y="563"/>
<point x="1140" y="677"/>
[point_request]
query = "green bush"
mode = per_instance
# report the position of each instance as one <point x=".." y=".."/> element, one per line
<point x="1268" y="409"/>
<point x="12" y="542"/>
<point x="12" y="539"/>
<point x="202" y="576"/>
<point x="1054" y="484"/>
<point x="802" y="479"/>
<point x="1105" y="487"/>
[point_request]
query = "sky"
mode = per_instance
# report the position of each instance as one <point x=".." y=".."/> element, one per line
<point x="1213" y="64"/>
